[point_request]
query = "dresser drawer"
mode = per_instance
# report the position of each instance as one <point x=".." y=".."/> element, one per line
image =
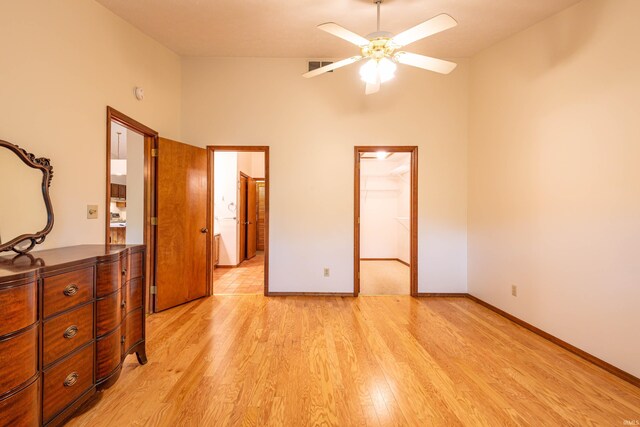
<point x="133" y="329"/>
<point x="66" y="381"/>
<point x="23" y="408"/>
<point x="19" y="307"/>
<point x="134" y="294"/>
<point x="67" y="290"/>
<point x="135" y="265"/>
<point x="19" y="354"/>
<point x="109" y="350"/>
<point x="67" y="332"/>
<point x="109" y="278"/>
<point x="109" y="312"/>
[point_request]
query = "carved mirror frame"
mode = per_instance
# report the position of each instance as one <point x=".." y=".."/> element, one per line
<point x="43" y="165"/>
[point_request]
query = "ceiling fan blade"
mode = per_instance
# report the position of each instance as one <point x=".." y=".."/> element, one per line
<point x="427" y="28"/>
<point x="372" y="88"/>
<point x="343" y="33"/>
<point x="425" y="62"/>
<point x="333" y="66"/>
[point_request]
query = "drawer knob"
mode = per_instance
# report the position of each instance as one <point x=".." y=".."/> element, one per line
<point x="71" y="379"/>
<point x="122" y="339"/>
<point x="70" y="332"/>
<point x="124" y="271"/>
<point x="124" y="303"/>
<point x="70" y="290"/>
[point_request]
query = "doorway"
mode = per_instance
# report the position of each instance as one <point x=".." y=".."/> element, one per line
<point x="130" y="189"/>
<point x="239" y="202"/>
<point x="150" y="182"/>
<point x="385" y="220"/>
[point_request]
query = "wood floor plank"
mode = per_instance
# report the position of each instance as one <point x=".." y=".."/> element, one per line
<point x="340" y="361"/>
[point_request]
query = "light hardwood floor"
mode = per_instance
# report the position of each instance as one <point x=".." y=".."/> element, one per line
<point x="384" y="278"/>
<point x="392" y="360"/>
<point x="247" y="278"/>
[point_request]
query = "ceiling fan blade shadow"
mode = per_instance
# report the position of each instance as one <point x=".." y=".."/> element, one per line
<point x="333" y="66"/>
<point x="426" y="62"/>
<point x="343" y="33"/>
<point x="428" y="28"/>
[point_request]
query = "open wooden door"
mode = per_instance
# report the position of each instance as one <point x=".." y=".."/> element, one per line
<point x="252" y="218"/>
<point x="181" y="224"/>
<point x="261" y="214"/>
<point x="242" y="219"/>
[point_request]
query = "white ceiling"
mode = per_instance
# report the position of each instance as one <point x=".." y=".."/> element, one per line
<point x="287" y="28"/>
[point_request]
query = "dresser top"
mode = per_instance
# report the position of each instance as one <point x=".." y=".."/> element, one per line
<point x="14" y="267"/>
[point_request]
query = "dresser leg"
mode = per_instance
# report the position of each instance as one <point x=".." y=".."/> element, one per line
<point x="141" y="354"/>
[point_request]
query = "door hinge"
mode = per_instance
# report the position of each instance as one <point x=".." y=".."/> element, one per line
<point x="154" y="290"/>
<point x="154" y="152"/>
<point x="154" y="220"/>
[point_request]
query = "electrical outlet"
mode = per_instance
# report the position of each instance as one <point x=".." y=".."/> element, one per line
<point x="92" y="211"/>
<point x="327" y="272"/>
<point x="514" y="290"/>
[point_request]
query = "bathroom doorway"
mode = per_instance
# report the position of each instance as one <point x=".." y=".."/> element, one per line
<point x="385" y="221"/>
<point x="239" y="206"/>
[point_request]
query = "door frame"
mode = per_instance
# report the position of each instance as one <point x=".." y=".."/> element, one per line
<point x="210" y="194"/>
<point x="358" y="150"/>
<point x="149" y="234"/>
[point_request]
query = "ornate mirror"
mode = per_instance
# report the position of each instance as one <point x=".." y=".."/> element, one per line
<point x="26" y="215"/>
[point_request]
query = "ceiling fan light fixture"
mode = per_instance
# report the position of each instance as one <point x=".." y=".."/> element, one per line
<point x="378" y="71"/>
<point x="386" y="69"/>
<point x="379" y="50"/>
<point x="369" y="71"/>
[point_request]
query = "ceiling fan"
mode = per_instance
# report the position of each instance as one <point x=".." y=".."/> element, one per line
<point x="381" y="50"/>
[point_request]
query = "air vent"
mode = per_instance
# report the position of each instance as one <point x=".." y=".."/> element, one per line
<point x="314" y="65"/>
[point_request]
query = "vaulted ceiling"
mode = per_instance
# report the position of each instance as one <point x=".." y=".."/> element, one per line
<point x="287" y="28"/>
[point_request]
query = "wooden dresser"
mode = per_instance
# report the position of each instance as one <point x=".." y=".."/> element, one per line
<point x="68" y="318"/>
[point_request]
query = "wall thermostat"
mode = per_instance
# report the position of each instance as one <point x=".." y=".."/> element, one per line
<point x="139" y="92"/>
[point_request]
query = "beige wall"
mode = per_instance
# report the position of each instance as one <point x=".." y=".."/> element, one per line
<point x="61" y="63"/>
<point x="554" y="182"/>
<point x="311" y="127"/>
<point x="251" y="163"/>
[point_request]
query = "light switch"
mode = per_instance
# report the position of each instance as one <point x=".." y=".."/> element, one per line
<point x="92" y="211"/>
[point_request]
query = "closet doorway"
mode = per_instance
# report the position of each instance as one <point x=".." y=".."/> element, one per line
<point x="385" y="220"/>
<point x="239" y="206"/>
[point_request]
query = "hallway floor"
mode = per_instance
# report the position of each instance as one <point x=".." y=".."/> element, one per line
<point x="384" y="278"/>
<point x="246" y="279"/>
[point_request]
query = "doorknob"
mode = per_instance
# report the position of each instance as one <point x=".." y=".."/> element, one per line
<point x="204" y="230"/>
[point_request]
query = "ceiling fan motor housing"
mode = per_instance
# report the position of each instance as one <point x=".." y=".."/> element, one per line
<point x="380" y="46"/>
